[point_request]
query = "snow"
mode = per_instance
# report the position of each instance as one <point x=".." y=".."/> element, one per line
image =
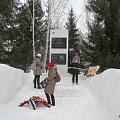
<point x="95" y="98"/>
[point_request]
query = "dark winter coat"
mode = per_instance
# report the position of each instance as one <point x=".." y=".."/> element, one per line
<point x="49" y="89"/>
<point x="38" y="70"/>
<point x="71" y="55"/>
<point x="75" y="63"/>
<point x="75" y="71"/>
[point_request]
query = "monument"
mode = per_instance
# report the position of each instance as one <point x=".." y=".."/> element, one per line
<point x="59" y="49"/>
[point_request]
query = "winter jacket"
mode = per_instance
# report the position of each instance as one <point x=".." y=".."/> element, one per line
<point x="75" y="63"/>
<point x="71" y="55"/>
<point x="49" y="89"/>
<point x="75" y="71"/>
<point x="38" y="66"/>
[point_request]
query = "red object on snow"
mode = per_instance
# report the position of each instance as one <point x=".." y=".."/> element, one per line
<point x="38" y="101"/>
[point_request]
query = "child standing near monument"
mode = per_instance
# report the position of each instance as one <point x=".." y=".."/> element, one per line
<point x="74" y="70"/>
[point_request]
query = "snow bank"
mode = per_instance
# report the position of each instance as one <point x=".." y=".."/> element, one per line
<point x="106" y="87"/>
<point x="9" y="77"/>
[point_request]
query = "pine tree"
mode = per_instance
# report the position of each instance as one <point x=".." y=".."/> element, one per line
<point x="104" y="32"/>
<point x="40" y="26"/>
<point x="6" y="26"/>
<point x="2" y="51"/>
<point x="22" y="49"/>
<point x="72" y="30"/>
<point x="16" y="33"/>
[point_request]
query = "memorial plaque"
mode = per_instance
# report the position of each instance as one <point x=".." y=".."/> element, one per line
<point x="59" y="43"/>
<point x="59" y="58"/>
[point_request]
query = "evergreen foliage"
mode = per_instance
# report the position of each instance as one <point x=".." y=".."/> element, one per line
<point x="75" y="38"/>
<point x="104" y="33"/>
<point x="22" y="49"/>
<point x="6" y="25"/>
<point x="16" y="33"/>
<point x="40" y="26"/>
<point x="72" y="30"/>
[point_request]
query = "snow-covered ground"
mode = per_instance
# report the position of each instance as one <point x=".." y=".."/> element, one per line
<point x="95" y="98"/>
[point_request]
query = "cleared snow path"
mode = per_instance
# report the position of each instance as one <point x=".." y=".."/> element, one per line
<point x="73" y="102"/>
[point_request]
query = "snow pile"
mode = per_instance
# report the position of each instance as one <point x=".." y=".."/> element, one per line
<point x="11" y="80"/>
<point x="106" y="87"/>
<point x="95" y="98"/>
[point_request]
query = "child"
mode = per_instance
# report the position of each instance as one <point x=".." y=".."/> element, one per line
<point x="75" y="71"/>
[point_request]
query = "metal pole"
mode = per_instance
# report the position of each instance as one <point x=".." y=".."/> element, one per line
<point x="48" y="31"/>
<point x="33" y="31"/>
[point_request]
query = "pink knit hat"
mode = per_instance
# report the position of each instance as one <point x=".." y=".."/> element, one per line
<point x="76" y="54"/>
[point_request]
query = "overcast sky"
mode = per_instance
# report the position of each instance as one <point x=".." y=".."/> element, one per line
<point x="79" y="10"/>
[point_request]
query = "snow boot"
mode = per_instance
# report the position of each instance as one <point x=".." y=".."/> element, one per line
<point x="34" y="81"/>
<point x="38" y="84"/>
<point x="48" y="98"/>
<point x="53" y="100"/>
